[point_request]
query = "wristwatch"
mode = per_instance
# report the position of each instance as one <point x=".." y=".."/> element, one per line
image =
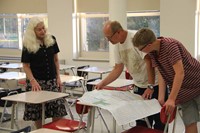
<point x="150" y="86"/>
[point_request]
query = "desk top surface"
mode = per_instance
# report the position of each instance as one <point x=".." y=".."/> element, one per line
<point x="116" y="83"/>
<point x="35" y="97"/>
<point x="12" y="66"/>
<point x="45" y="130"/>
<point x="68" y="78"/>
<point x="12" y="75"/>
<point x="100" y="70"/>
<point x="65" y="67"/>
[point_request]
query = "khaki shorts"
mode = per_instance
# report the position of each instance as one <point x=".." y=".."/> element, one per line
<point x="191" y="110"/>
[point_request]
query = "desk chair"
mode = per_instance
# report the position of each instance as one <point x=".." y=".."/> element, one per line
<point x="91" y="87"/>
<point x="23" y="130"/>
<point x="77" y="84"/>
<point x="166" y="119"/>
<point x="22" y="83"/>
<point x="70" y="125"/>
<point x="6" y="92"/>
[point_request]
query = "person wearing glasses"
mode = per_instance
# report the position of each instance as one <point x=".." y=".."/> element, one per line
<point x="177" y="69"/>
<point x="41" y="65"/>
<point x="145" y="81"/>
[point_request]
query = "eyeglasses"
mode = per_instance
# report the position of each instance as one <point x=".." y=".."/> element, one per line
<point x="110" y="37"/>
<point x="143" y="47"/>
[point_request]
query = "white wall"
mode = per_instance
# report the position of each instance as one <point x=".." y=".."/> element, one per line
<point x="177" y="20"/>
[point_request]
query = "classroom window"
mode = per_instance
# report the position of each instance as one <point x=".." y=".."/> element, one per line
<point x="12" y="27"/>
<point x="89" y="41"/>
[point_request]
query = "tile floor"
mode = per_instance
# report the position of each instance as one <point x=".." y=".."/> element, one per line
<point x="98" y="128"/>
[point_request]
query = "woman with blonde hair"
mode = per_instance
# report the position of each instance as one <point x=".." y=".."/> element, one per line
<point x="41" y="65"/>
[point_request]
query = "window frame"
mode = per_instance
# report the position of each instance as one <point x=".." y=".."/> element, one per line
<point x="19" y="18"/>
<point x="79" y="35"/>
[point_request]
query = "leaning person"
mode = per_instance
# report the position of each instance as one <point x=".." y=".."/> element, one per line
<point x="143" y="74"/>
<point x="178" y="70"/>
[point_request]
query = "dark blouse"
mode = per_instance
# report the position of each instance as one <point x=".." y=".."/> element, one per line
<point x="42" y="62"/>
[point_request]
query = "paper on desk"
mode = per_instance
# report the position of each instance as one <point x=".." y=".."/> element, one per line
<point x="125" y="107"/>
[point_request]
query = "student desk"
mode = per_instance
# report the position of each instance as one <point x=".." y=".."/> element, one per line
<point x="97" y="70"/>
<point x="12" y="75"/>
<point x="11" y="65"/>
<point x="33" y="97"/>
<point x="69" y="79"/>
<point x="118" y="83"/>
<point x="67" y="67"/>
<point x="45" y="130"/>
<point x="124" y="106"/>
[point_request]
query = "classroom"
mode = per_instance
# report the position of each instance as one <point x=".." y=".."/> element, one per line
<point x="78" y="28"/>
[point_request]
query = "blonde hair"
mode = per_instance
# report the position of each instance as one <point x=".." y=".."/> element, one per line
<point x="30" y="41"/>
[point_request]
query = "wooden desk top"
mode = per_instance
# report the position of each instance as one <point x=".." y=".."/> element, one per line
<point x="117" y="83"/>
<point x="12" y="75"/>
<point x="35" y="97"/>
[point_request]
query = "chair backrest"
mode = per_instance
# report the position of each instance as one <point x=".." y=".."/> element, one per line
<point x="81" y="109"/>
<point x="127" y="75"/>
<point x="81" y="73"/>
<point x="23" y="130"/>
<point x="90" y="87"/>
<point x="167" y="118"/>
<point x="7" y="92"/>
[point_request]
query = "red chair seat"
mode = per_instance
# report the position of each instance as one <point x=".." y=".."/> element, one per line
<point x="126" y="88"/>
<point x="140" y="129"/>
<point x="65" y="125"/>
<point x="22" y="82"/>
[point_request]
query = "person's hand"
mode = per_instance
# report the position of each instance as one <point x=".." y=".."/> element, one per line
<point x="99" y="86"/>
<point x="170" y="106"/>
<point x="59" y="83"/>
<point x="147" y="93"/>
<point x="35" y="85"/>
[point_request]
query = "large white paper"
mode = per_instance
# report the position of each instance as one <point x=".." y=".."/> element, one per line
<point x="125" y="107"/>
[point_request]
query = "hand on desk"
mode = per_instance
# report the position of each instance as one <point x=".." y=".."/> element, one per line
<point x="35" y="86"/>
<point x="99" y="86"/>
<point x="147" y="93"/>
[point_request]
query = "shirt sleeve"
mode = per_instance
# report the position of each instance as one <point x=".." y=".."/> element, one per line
<point x="55" y="46"/>
<point x="25" y="58"/>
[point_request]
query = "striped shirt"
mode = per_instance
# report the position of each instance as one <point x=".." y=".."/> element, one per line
<point x="170" y="52"/>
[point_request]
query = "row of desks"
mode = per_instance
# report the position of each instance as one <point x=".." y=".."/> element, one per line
<point x="27" y="97"/>
<point x="97" y="70"/>
<point x="38" y="97"/>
